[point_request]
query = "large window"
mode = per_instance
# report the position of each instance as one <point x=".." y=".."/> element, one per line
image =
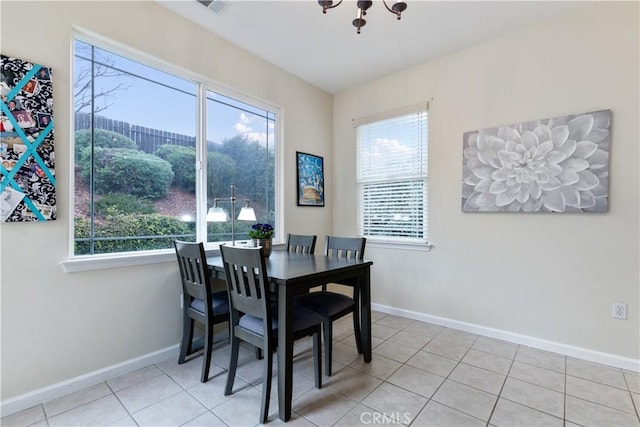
<point x="392" y="177"/>
<point x="147" y="170"/>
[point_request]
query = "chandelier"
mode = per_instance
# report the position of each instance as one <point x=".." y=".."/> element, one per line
<point x="397" y="9"/>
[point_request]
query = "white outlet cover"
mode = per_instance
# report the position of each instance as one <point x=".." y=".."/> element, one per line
<point x="619" y="311"/>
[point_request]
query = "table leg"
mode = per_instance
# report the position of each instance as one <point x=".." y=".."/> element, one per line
<point x="285" y="351"/>
<point x="365" y="313"/>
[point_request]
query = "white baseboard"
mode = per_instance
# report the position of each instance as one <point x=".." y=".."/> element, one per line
<point x="565" y="349"/>
<point x="45" y="394"/>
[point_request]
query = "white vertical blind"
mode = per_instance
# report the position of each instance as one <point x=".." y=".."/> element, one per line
<point x="392" y="178"/>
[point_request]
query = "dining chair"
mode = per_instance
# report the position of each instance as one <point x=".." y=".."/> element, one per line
<point x="333" y="305"/>
<point x="254" y="318"/>
<point x="200" y="303"/>
<point x="300" y="243"/>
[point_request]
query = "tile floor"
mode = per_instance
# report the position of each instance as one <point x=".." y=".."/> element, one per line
<point x="421" y="375"/>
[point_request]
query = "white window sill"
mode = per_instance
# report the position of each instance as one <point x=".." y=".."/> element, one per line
<point x="408" y="246"/>
<point x="100" y="262"/>
<point x="129" y="259"/>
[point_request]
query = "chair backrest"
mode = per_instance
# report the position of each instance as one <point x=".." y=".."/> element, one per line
<point x="345" y="247"/>
<point x="194" y="273"/>
<point x="247" y="282"/>
<point x="301" y="244"/>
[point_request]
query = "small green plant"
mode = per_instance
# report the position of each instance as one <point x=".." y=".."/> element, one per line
<point x="120" y="203"/>
<point x="261" y="231"/>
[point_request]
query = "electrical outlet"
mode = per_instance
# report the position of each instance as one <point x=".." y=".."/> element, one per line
<point x="619" y="310"/>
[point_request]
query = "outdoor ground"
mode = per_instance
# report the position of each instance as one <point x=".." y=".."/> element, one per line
<point x="176" y="203"/>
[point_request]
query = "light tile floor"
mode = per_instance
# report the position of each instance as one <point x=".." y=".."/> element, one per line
<point x="421" y="375"/>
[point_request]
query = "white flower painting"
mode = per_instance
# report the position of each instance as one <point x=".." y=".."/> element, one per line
<point x="552" y="165"/>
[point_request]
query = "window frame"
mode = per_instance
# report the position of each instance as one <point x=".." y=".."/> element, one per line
<point x="393" y="242"/>
<point x="75" y="263"/>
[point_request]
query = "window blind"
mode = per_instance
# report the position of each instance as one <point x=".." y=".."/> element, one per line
<point x="392" y="178"/>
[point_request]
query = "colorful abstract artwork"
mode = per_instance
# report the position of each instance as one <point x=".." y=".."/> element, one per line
<point x="27" y="158"/>
<point x="310" y="180"/>
<point x="552" y="165"/>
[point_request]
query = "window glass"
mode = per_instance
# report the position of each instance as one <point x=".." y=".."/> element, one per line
<point x="392" y="178"/>
<point x="136" y="155"/>
<point x="240" y="153"/>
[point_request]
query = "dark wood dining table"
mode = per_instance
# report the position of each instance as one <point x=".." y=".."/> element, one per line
<point x="291" y="274"/>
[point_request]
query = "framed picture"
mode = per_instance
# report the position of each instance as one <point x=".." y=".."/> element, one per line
<point x="310" y="177"/>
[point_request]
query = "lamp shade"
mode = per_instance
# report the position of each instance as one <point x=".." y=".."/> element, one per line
<point x="216" y="214"/>
<point x="247" y="214"/>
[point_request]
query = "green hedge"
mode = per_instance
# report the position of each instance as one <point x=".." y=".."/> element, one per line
<point x="134" y="227"/>
<point x="221" y="169"/>
<point x="183" y="162"/>
<point x="103" y="139"/>
<point x="121" y="203"/>
<point x="122" y="170"/>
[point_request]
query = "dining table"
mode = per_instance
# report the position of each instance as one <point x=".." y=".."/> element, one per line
<point x="293" y="273"/>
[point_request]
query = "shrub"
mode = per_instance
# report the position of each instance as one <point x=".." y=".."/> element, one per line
<point x="103" y="139"/>
<point x="141" y="230"/>
<point x="221" y="173"/>
<point x="122" y="170"/>
<point x="119" y="203"/>
<point x="183" y="162"/>
<point x="221" y="169"/>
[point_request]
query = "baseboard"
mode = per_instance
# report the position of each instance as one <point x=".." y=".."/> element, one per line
<point x="565" y="349"/>
<point x="45" y="394"/>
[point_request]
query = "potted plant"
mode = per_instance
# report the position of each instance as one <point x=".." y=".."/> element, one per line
<point x="262" y="235"/>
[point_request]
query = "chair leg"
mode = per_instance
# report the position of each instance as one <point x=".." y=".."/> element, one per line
<point x="266" y="382"/>
<point x="233" y="364"/>
<point x="317" y="357"/>
<point x="327" y="326"/>
<point x="187" y="338"/>
<point x="206" y="360"/>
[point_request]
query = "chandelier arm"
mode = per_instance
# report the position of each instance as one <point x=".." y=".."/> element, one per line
<point x="388" y="8"/>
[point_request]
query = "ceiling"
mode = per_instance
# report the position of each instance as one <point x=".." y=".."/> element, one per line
<point x="326" y="51"/>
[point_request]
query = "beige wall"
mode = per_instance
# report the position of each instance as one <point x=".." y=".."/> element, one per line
<point x="552" y="277"/>
<point x="56" y="325"/>
<point x="549" y="276"/>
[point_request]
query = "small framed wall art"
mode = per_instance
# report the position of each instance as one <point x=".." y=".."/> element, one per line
<point x="310" y="178"/>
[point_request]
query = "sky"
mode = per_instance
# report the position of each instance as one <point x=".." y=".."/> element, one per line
<point x="141" y="87"/>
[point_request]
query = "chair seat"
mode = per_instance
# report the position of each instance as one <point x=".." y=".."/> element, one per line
<point x="219" y="303"/>
<point x="325" y="303"/>
<point x="302" y="319"/>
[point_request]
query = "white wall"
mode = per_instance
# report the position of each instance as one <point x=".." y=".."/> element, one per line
<point x="549" y="276"/>
<point x="56" y="325"/>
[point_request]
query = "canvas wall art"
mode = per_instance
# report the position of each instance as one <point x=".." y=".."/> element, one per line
<point x="27" y="159"/>
<point x="552" y="165"/>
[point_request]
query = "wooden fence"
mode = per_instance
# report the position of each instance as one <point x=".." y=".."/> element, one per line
<point x="147" y="139"/>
